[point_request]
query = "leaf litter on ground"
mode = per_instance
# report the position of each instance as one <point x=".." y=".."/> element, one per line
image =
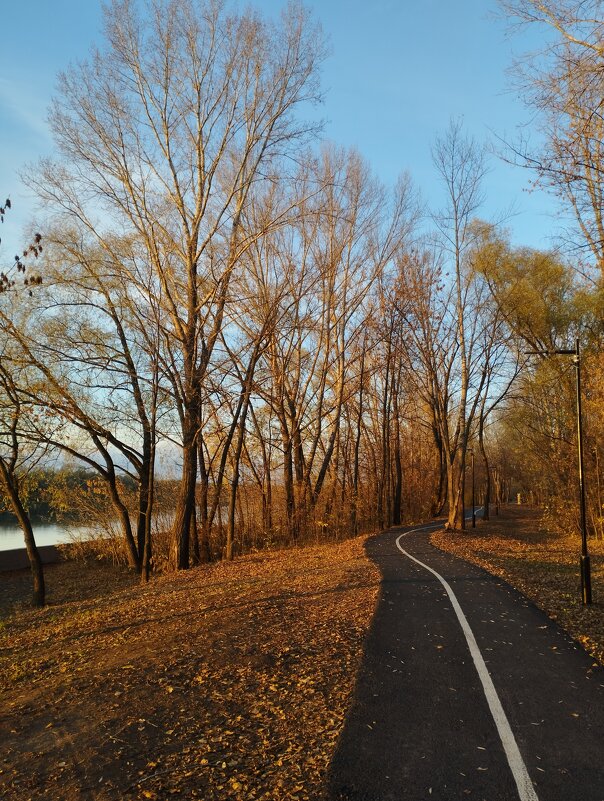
<point x="541" y="564"/>
<point x="228" y="681"/>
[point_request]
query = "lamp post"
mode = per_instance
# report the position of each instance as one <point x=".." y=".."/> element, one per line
<point x="471" y="452"/>
<point x="585" y="562"/>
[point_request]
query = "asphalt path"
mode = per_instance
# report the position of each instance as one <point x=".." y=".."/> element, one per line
<point x="466" y="691"/>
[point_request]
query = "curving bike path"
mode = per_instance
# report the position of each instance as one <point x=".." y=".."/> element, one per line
<point x="466" y="691"/>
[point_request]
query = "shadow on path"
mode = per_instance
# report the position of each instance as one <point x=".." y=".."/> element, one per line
<point x="419" y="726"/>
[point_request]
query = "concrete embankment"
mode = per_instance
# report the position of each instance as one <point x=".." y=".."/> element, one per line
<point x="16" y="558"/>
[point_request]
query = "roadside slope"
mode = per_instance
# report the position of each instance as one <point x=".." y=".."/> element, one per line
<point x="544" y="566"/>
<point x="466" y="689"/>
<point x="228" y="681"/>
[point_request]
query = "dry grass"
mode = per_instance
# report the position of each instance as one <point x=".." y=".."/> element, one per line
<point x="229" y="681"/>
<point x="542" y="565"/>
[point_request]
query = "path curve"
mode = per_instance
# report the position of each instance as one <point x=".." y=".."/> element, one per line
<point x="421" y="725"/>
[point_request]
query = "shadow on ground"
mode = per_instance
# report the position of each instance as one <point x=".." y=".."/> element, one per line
<point x="414" y="727"/>
<point x="373" y="759"/>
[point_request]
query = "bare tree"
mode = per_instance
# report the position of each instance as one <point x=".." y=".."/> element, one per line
<point x="86" y="344"/>
<point x="15" y="282"/>
<point x="163" y="134"/>
<point x="564" y="82"/>
<point x="15" y="452"/>
<point x="460" y="164"/>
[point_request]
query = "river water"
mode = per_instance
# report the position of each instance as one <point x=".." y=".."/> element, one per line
<point x="45" y="534"/>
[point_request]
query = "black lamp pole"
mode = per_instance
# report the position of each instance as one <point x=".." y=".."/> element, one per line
<point x="585" y="561"/>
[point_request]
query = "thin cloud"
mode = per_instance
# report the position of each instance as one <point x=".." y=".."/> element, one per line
<point x="22" y="108"/>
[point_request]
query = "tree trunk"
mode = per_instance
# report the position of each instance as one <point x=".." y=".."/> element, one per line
<point x="487" y="484"/>
<point x="150" y="497"/>
<point x="301" y="479"/>
<point x="186" y="499"/>
<point x="398" y="483"/>
<point x="397" y="488"/>
<point x="456" y="493"/>
<point x="195" y="537"/>
<point x="235" y="481"/>
<point x="288" y="484"/>
<point x="204" y="477"/>
<point x="381" y="498"/>
<point x="354" y="523"/>
<point x="134" y="560"/>
<point x="440" y="495"/>
<point x="143" y="494"/>
<point x="35" y="562"/>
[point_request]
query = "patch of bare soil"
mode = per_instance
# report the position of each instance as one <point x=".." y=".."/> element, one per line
<point x="542" y="565"/>
<point x="228" y="681"/>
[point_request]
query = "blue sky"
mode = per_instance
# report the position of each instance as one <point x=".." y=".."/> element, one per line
<point x="398" y="71"/>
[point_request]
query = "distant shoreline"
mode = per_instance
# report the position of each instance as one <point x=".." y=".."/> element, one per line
<point x="11" y="537"/>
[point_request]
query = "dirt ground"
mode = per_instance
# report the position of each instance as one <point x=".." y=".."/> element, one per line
<point x="544" y="566"/>
<point x="229" y="681"/>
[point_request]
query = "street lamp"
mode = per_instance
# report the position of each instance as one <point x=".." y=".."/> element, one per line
<point x="471" y="452"/>
<point x="585" y="561"/>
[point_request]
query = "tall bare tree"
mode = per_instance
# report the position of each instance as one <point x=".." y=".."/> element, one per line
<point x="460" y="163"/>
<point x="15" y="282"/>
<point x="564" y="82"/>
<point x="163" y="134"/>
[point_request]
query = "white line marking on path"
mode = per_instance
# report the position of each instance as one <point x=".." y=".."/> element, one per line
<point x="526" y="791"/>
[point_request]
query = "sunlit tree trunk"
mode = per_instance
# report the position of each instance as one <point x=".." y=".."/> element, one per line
<point x="35" y="562"/>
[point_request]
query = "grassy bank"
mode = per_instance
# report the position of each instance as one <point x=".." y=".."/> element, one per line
<point x="542" y="565"/>
<point x="229" y="681"/>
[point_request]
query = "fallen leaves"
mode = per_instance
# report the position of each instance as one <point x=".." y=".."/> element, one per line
<point x="542" y="565"/>
<point x="230" y="681"/>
